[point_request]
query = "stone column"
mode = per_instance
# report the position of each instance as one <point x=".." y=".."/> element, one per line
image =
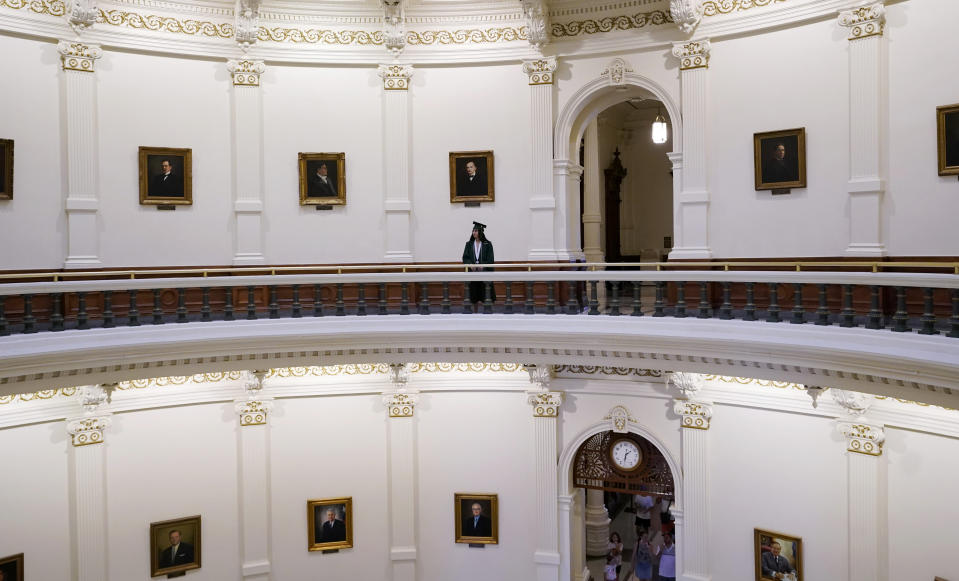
<point x="867" y="87"/>
<point x="597" y="524"/>
<point x="87" y="434"/>
<point x="592" y="193"/>
<point x="253" y="411"/>
<point x="83" y="201"/>
<point x="868" y="540"/>
<point x="400" y="404"/>
<point x="248" y="163"/>
<point x="546" y="406"/>
<point x="695" y="415"/>
<point x="547" y="213"/>
<point x="396" y="161"/>
<point x="691" y="221"/>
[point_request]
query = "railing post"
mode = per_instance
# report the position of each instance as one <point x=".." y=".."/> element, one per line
<point x="250" y="303"/>
<point x="680" y="310"/>
<point x="726" y="309"/>
<point x="901" y="317"/>
<point x="361" y="300"/>
<point x="56" y="317"/>
<point x="445" y="306"/>
<point x="157" y="309"/>
<point x="467" y="304"/>
<point x="822" y="313"/>
<point x="82" y="317"/>
<point x="133" y="314"/>
<point x="637" y="299"/>
<point x="799" y="313"/>
<point x="954" y="319"/>
<point x="317" y="300"/>
<point x="929" y="314"/>
<point x="847" y="317"/>
<point x="772" y="311"/>
<point x="488" y="297"/>
<point x="614" y="299"/>
<point x="108" y="309"/>
<point x="228" y="304"/>
<point x="381" y="305"/>
<point x="205" y="308"/>
<point x="550" y="298"/>
<point x="404" y="298"/>
<point x="749" y="312"/>
<point x="705" y="309"/>
<point x="593" y="299"/>
<point x="297" y="307"/>
<point x="181" y="305"/>
<point x="29" y="321"/>
<point x="874" y="319"/>
<point x="508" y="301"/>
<point x="273" y="306"/>
<point x="4" y="331"/>
<point x="424" y="298"/>
<point x="530" y="301"/>
<point x="658" y="310"/>
<point x="341" y="306"/>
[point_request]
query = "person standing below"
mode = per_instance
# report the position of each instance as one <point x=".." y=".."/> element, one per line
<point x="614" y="549"/>
<point x="667" y="559"/>
<point x="642" y="504"/>
<point x="479" y="250"/>
<point x="609" y="571"/>
<point x="643" y="557"/>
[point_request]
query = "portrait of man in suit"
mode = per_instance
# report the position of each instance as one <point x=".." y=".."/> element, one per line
<point x="322" y="184"/>
<point x="166" y="176"/>
<point x="179" y="552"/>
<point x="166" y="183"/>
<point x="174" y="545"/>
<point x="331" y="529"/>
<point x="329" y="524"/>
<point x="777" y="168"/>
<point x="322" y="179"/>
<point x="778" y="557"/>
<point x="476" y="518"/>
<point x="780" y="159"/>
<point x="477" y="524"/>
<point x="471" y="176"/>
<point x="472" y="182"/>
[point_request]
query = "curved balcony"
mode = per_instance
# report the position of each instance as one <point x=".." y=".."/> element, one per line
<point x="884" y="331"/>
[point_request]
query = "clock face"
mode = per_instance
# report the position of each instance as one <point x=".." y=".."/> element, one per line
<point x="626" y="454"/>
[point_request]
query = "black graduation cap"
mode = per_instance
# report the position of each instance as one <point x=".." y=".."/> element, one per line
<point x="478" y="226"/>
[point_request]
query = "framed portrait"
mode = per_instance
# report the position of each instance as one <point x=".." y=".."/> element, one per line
<point x="778" y="556"/>
<point x="329" y="523"/>
<point x="6" y="169"/>
<point x="477" y="518"/>
<point x="11" y="568"/>
<point x="174" y="545"/>
<point x="322" y="179"/>
<point x="166" y="176"/>
<point x="947" y="125"/>
<point x="780" y="159"/>
<point x="471" y="176"/>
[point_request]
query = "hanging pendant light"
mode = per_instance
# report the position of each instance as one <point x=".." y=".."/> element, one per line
<point x="660" y="134"/>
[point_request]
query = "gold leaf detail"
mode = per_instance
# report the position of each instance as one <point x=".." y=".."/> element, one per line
<point x="51" y="7"/>
<point x="313" y="36"/>
<point x="714" y="7"/>
<point x="610" y="23"/>
<point x="505" y="34"/>
<point x="165" y="23"/>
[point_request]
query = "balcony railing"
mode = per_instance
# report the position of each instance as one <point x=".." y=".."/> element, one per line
<point x="883" y="295"/>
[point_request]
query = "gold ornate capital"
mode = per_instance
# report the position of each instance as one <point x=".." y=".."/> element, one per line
<point x="400" y="404"/>
<point x="692" y="55"/>
<point x="540" y="71"/>
<point x="864" y="21"/>
<point x="694" y="414"/>
<point x="246" y="73"/>
<point x="396" y="77"/>
<point x="863" y="438"/>
<point x="545" y="404"/>
<point x="88" y="430"/>
<point x="253" y="412"/>
<point x="619" y="418"/>
<point x="77" y="56"/>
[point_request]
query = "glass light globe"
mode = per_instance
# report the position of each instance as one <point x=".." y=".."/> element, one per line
<point x="660" y="133"/>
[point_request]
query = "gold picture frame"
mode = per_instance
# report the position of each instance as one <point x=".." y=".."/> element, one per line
<point x="321" y="536"/>
<point x="473" y="528"/>
<point x="315" y="191"/>
<point x="788" y="560"/>
<point x="12" y="567"/>
<point x="6" y="169"/>
<point x="476" y="184"/>
<point x="162" y="184"/>
<point x="164" y="560"/>
<point x="779" y="159"/>
<point x="947" y="131"/>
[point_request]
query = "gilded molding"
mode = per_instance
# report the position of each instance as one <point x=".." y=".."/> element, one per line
<point x="395" y="77"/>
<point x="545" y="404"/>
<point x="253" y="412"/>
<point x="753" y="381"/>
<point x="864" y="21"/>
<point x="77" y="56"/>
<point x="317" y="371"/>
<point x="540" y="71"/>
<point x="321" y="36"/>
<point x="601" y="370"/>
<point x="401" y="404"/>
<point x="465" y="36"/>
<point x="714" y="7"/>
<point x="610" y="23"/>
<point x="246" y="73"/>
<point x="88" y="430"/>
<point x="615" y="72"/>
<point x="692" y="55"/>
<point x="694" y="414"/>
<point x="51" y="7"/>
<point x="45" y="394"/>
<point x="863" y="438"/>
<point x="166" y="23"/>
<point x="619" y="418"/>
<point x="180" y="380"/>
<point x="475" y="367"/>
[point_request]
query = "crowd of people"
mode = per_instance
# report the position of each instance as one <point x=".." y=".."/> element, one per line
<point x="654" y="550"/>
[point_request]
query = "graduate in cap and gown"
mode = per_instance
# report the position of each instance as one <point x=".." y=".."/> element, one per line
<point x="479" y="250"/>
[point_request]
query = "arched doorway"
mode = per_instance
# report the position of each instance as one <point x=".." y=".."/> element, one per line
<point x="584" y="466"/>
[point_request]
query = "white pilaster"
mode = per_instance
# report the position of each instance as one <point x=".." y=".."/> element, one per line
<point x="695" y="415"/>
<point x="592" y="191"/>
<point x="87" y="433"/>
<point x="868" y="538"/>
<point x="400" y="405"/>
<point x="396" y="161"/>
<point x="867" y="69"/>
<point x="691" y="206"/>
<point x="248" y="164"/>
<point x="546" y="212"/>
<point x="566" y="176"/>
<point x="82" y="204"/>
<point x="254" y="441"/>
<point x="546" y="405"/>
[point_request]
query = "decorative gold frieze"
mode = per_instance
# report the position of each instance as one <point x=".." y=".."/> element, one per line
<point x="694" y="414"/>
<point x="692" y="55"/>
<point x="166" y="23"/>
<point x="863" y="438"/>
<point x="714" y="7"/>
<point x="754" y="381"/>
<point x="610" y="23"/>
<point x="605" y="370"/>
<point x="400" y="404"/>
<point x="253" y="412"/>
<point x="472" y="35"/>
<point x="77" y="56"/>
<point x="88" y="430"/>
<point x="246" y="73"/>
<point x="545" y="403"/>
<point x="214" y="377"/>
<point x="51" y="7"/>
<point x="864" y="21"/>
<point x="39" y="395"/>
<point x="540" y="71"/>
<point x="395" y="77"/>
<point x="317" y="371"/>
<point x="314" y="36"/>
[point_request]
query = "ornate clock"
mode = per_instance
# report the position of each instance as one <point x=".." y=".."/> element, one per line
<point x="625" y="455"/>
